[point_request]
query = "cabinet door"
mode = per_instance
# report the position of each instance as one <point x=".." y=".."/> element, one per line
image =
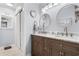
<point x="37" y="45"/>
<point x="46" y="48"/>
<point x="70" y="49"/>
<point x="56" y="47"/>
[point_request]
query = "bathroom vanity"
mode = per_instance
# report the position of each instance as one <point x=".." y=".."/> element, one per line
<point x="49" y="45"/>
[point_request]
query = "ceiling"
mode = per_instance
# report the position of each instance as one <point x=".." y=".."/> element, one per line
<point x="14" y="7"/>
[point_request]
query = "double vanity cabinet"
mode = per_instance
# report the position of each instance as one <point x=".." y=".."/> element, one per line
<point x="46" y="46"/>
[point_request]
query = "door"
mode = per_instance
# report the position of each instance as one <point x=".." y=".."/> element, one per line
<point x="18" y="29"/>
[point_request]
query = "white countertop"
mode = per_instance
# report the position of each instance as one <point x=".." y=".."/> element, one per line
<point x="74" y="39"/>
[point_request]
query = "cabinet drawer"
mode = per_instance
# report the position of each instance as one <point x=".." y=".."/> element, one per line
<point x="70" y="48"/>
<point x="70" y="53"/>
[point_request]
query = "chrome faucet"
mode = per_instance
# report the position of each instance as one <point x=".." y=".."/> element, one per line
<point x="66" y="31"/>
<point x="43" y="27"/>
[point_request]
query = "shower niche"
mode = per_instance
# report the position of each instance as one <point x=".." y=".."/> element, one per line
<point x="6" y="22"/>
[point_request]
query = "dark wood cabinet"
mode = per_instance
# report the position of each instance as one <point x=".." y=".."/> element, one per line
<point x="44" y="46"/>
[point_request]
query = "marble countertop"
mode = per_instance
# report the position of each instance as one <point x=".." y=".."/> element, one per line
<point x="74" y="39"/>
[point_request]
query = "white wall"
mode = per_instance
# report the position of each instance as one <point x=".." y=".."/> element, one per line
<point x="27" y="27"/>
<point x="6" y="36"/>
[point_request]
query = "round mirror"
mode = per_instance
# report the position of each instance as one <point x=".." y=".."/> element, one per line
<point x="45" y="21"/>
<point x="66" y="15"/>
<point x="65" y="22"/>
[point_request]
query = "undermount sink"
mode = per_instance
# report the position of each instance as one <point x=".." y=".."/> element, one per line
<point x="43" y="32"/>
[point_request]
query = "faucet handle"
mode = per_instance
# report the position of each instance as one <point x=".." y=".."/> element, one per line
<point x="71" y="34"/>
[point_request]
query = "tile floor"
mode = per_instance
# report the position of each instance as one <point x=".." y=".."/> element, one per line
<point x="14" y="51"/>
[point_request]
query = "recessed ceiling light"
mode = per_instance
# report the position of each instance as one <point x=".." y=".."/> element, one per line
<point x="9" y="4"/>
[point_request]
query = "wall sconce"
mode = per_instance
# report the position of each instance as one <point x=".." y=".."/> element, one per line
<point x="76" y="13"/>
<point x="33" y="13"/>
